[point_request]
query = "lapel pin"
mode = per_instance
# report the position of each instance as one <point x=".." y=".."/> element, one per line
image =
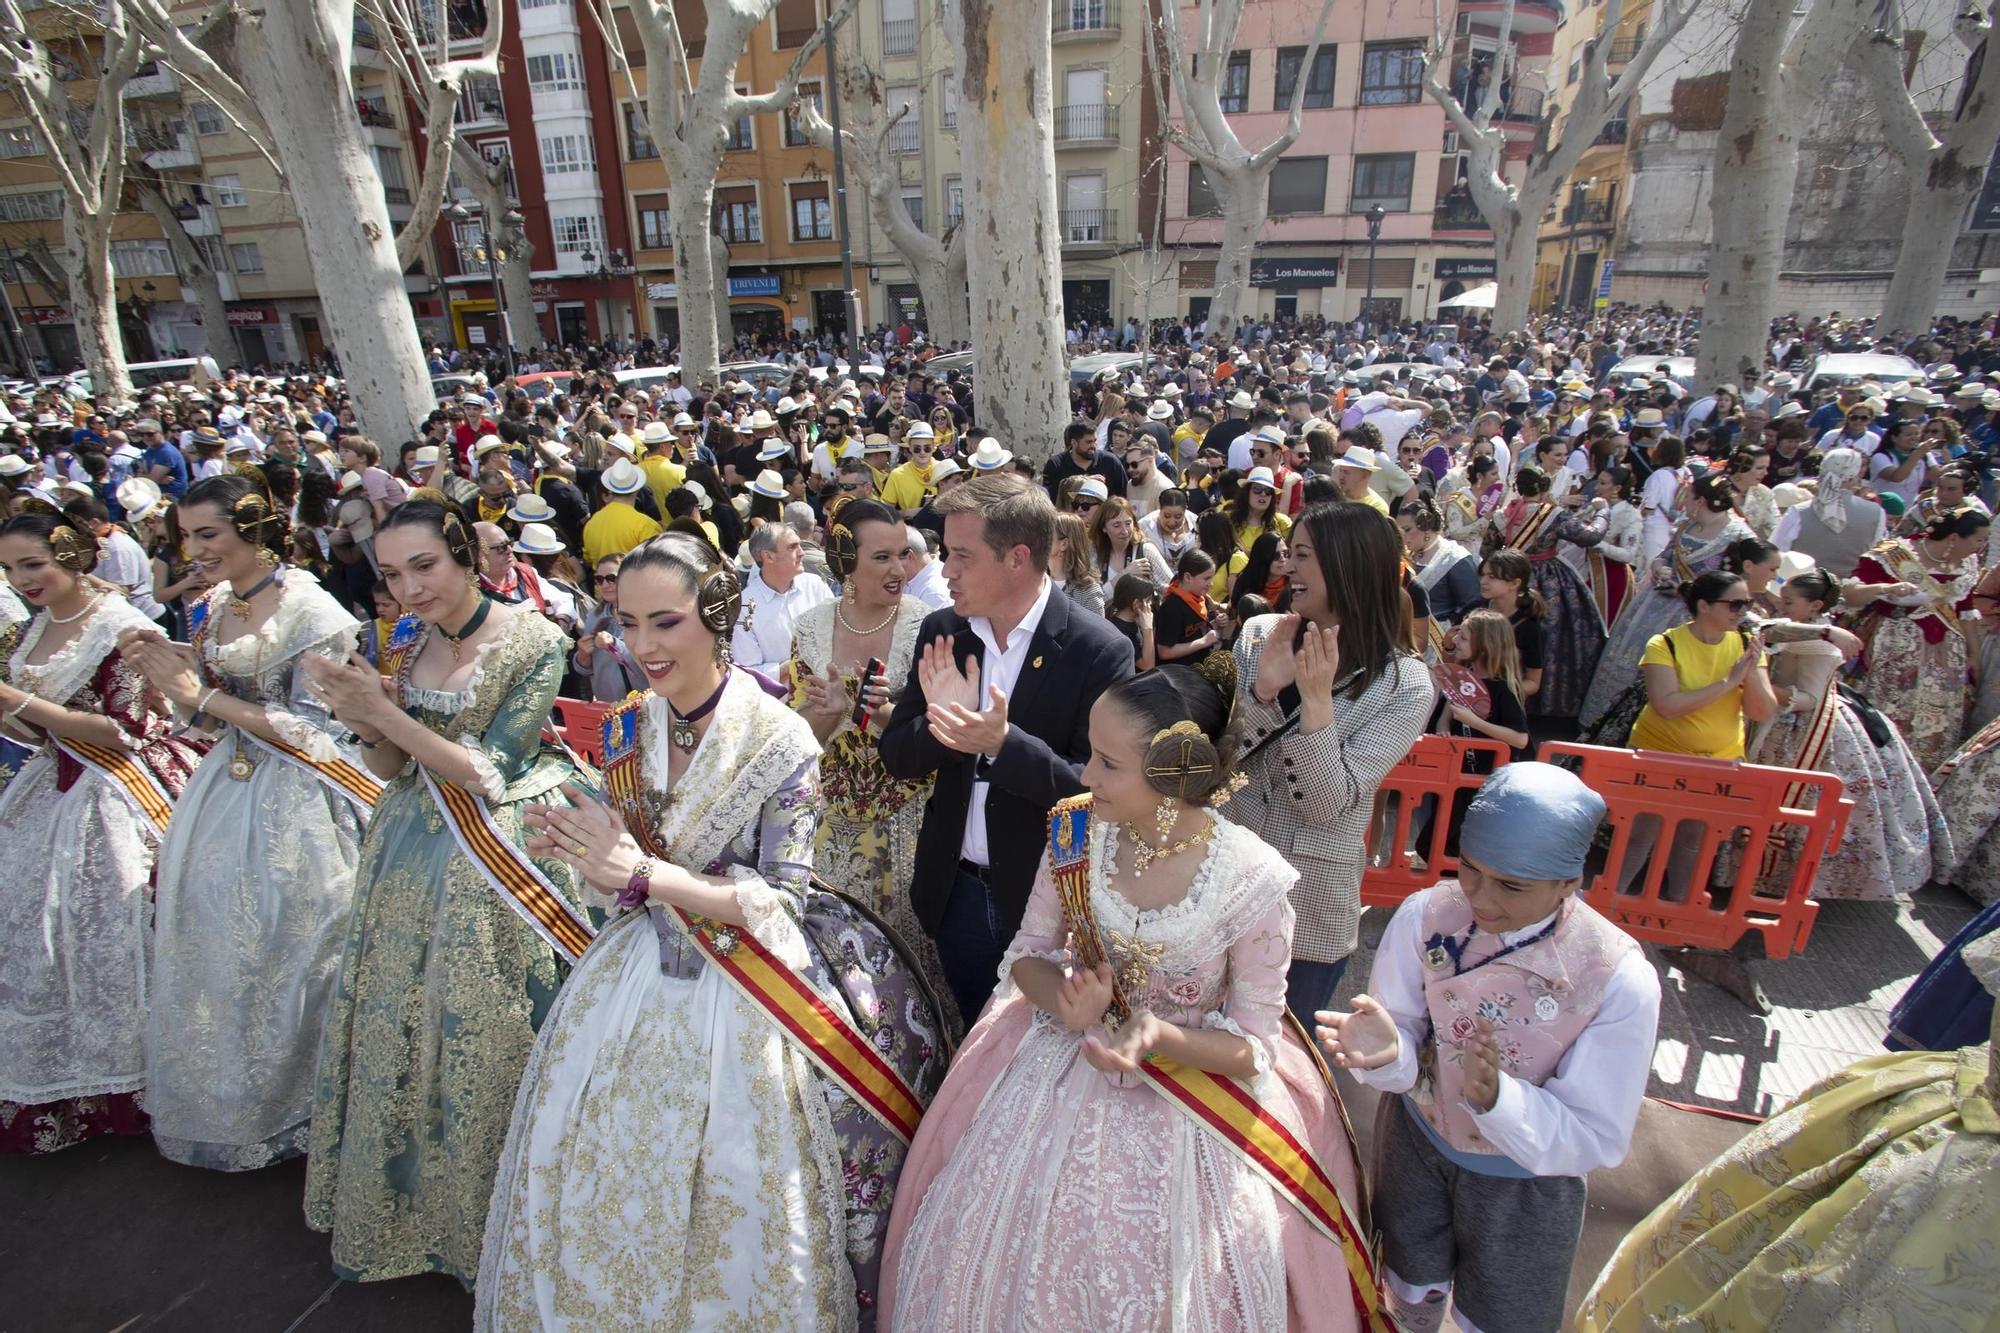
<point x="1037" y="663"/>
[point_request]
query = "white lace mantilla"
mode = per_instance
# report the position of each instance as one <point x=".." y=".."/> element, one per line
<point x="76" y="661"/>
<point x="306" y="617"/>
<point x="1224" y="899"/>
<point x="812" y="639"/>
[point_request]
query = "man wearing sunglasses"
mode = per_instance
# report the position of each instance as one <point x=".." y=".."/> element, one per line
<point x="909" y="484"/>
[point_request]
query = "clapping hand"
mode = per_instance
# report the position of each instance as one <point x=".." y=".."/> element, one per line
<point x="586" y="835"/>
<point x="1129" y="1047"/>
<point x="353" y="689"/>
<point x="1277" y="661"/>
<point x="951" y="693"/>
<point x="1083" y="997"/>
<point x="1364" y="1037"/>
<point x="168" y="667"/>
<point x="825" y="696"/>
<point x="1753" y="653"/>
<point x="1482" y="1067"/>
<point x="1317" y="662"/>
<point x="941" y="678"/>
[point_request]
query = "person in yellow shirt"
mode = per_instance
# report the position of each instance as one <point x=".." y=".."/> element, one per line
<point x="618" y="527"/>
<point x="663" y="474"/>
<point x="1704" y="678"/>
<point x="909" y="486"/>
<point x="1352" y="472"/>
<point x="1188" y="435"/>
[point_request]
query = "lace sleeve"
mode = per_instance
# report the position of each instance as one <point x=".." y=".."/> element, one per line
<point x="1254" y="1008"/>
<point x="771" y="894"/>
<point x="1042" y="933"/>
<point x="304" y="721"/>
<point x="503" y="751"/>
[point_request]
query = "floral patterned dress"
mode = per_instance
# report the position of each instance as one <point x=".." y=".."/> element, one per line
<point x="676" y="1161"/>
<point x="441" y="986"/>
<point x="1044" y="1194"/>
<point x="1968" y="788"/>
<point x="74" y="917"/>
<point x="255" y="887"/>
<point x="1914" y="668"/>
<point x="1572" y="627"/>
<point x="867" y="841"/>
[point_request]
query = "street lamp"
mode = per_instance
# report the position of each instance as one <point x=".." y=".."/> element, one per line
<point x="1375" y="215"/>
<point x="510" y="220"/>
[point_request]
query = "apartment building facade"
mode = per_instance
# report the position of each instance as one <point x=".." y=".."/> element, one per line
<point x="1579" y="232"/>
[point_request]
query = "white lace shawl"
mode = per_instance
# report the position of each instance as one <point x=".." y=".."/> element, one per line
<point x="307" y="619"/>
<point x="812" y="640"/>
<point x="59" y="678"/>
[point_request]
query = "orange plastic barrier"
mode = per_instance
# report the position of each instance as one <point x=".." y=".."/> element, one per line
<point x="583" y="726"/>
<point x="1435" y="766"/>
<point x="1732" y="805"/>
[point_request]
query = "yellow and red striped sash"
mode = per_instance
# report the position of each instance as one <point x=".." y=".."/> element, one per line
<point x="347" y="781"/>
<point x="125" y="773"/>
<point x="826" y="1035"/>
<point x="1530" y="529"/>
<point x="521" y="886"/>
<point x="1221" y="1106"/>
<point x="1600" y="583"/>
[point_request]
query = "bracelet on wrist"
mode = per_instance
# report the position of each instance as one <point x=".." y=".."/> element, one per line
<point x="637" y="888"/>
<point x="201" y="704"/>
<point x="18" y="708"/>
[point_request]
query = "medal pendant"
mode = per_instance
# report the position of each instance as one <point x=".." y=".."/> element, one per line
<point x="681" y="733"/>
<point x="241" y="768"/>
<point x="1437" y="958"/>
<point x="1546" y="1008"/>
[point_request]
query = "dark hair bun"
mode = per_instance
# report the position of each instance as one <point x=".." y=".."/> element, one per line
<point x="1181" y="761"/>
<point x="1185" y="716"/>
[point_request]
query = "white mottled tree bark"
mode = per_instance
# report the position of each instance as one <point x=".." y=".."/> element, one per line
<point x="688" y="120"/>
<point x="1943" y="168"/>
<point x="286" y="68"/>
<point x="86" y="150"/>
<point x="1006" y="131"/>
<point x="1514" y="208"/>
<point x="197" y="274"/>
<point x="1238" y="177"/>
<point x="936" y="263"/>
<point x="1778" y="70"/>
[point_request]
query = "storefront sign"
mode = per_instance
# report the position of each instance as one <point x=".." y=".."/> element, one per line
<point x="755" y="284"/>
<point x="475" y="334"/>
<point x="44" y="314"/>
<point x="662" y="291"/>
<point x="543" y="291"/>
<point x="256" y="314"/>
<point x="1295" y="272"/>
<point x="1447" y="269"/>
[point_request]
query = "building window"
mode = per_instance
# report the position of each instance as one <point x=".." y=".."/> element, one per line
<point x="736" y="216"/>
<point x="906" y="136"/>
<point x="479" y="100"/>
<point x="796" y="21"/>
<point x="1319" y="85"/>
<point x="208" y="120"/>
<point x="656" y="230"/>
<point x="389" y="163"/>
<point x="948" y="102"/>
<point x="1298" y="185"/>
<point x="1234" y="90"/>
<point x="913" y="204"/>
<point x="742" y="135"/>
<point x="244" y="257"/>
<point x="35" y="206"/>
<point x="559" y="71"/>
<point x="899" y="27"/>
<point x="501" y="154"/>
<point x="568" y="154"/>
<point x="470" y="257"/>
<point x="1392" y="73"/>
<point x="142" y="259"/>
<point x="576" y="233"/>
<point x="812" y="213"/>
<point x="1201" y="200"/>
<point x="1380" y="178"/>
<point x="954" y="201"/>
<point x="19" y="141"/>
<point x="229" y="192"/>
<point x="795" y="129"/>
<point x="638" y="145"/>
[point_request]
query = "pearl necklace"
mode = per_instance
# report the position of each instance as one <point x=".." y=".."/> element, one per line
<point x="88" y="607"/>
<point x="840" y="614"/>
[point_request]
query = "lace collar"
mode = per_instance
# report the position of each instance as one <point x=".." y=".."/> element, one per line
<point x="306" y="616"/>
<point x="753" y="744"/>
<point x="62" y="675"/>
<point x="812" y="640"/>
<point x="1236" y="883"/>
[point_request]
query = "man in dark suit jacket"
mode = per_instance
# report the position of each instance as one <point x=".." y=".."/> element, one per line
<point x="997" y="707"/>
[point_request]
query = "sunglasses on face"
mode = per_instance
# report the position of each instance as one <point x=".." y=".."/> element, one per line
<point x="607" y="578"/>
<point x="1858" y="416"/>
<point x="494" y="546"/>
<point x="1085" y="506"/>
<point x="1736" y="604"/>
<point x="850" y="485"/>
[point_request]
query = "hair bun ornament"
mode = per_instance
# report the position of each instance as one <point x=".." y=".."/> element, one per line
<point x="842" y="551"/>
<point x="73" y="551"/>
<point x="718" y="598"/>
<point x="1181" y="759"/>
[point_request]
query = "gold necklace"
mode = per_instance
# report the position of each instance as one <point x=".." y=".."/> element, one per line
<point x="1144" y="853"/>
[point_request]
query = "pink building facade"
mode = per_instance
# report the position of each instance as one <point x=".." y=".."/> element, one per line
<point x="1369" y="136"/>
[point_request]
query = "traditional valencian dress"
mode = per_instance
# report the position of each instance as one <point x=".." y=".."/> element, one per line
<point x="81" y="825"/>
<point x="1572" y="628"/>
<point x="13" y="618"/>
<point x="1914" y="666"/>
<point x="445" y="976"/>
<point x="677" y="1159"/>
<point x="256" y="882"/>
<point x="867" y="841"/>
<point x="1044" y="1193"/>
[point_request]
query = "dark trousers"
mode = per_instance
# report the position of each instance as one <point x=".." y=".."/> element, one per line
<point x="970" y="941"/>
<point x="1309" y="987"/>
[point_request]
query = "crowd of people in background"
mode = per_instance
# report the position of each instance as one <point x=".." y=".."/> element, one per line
<point x="853" y="649"/>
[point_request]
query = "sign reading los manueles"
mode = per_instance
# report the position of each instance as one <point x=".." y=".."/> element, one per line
<point x="1295" y="272"/>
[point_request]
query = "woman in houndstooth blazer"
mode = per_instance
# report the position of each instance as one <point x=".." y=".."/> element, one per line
<point x="1329" y="700"/>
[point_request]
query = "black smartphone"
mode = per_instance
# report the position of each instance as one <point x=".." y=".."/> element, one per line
<point x="868" y="673"/>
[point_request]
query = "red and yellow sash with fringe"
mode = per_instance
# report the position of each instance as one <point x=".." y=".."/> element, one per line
<point x="826" y="1036"/>
<point x="1222" y="1106"/>
<point x="521" y="886"/>
<point x="127" y="774"/>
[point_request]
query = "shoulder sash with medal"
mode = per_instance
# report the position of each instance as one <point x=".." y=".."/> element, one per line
<point x="347" y="781"/>
<point x="1901" y="560"/>
<point x="1529" y="530"/>
<point x="823" y="1033"/>
<point x="1221" y="1106"/>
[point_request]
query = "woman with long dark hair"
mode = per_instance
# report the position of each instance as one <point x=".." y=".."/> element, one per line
<point x="1330" y="699"/>
<point x="247" y="927"/>
<point x="1534" y="527"/>
<point x="1215" y="533"/>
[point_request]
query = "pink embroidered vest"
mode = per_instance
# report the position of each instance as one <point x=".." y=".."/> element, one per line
<point x="1539" y="999"/>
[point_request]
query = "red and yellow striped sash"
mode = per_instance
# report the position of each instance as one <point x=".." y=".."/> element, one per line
<point x="359" y="788"/>
<point x="1530" y="530"/>
<point x="520" y="885"/>
<point x="825" y="1034"/>
<point x="125" y="773"/>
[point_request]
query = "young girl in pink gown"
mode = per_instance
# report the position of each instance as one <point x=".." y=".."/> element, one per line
<point x="1055" y="1182"/>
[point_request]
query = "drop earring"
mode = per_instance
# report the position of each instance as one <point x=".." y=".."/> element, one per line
<point x="1167" y="817"/>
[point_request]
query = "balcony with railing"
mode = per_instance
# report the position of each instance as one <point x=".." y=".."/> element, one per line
<point x="1088" y="226"/>
<point x="374" y="113"/>
<point x="479" y="104"/>
<point x="1086" y="124"/>
<point x="166" y="151"/>
<point x="1459" y="213"/>
<point x="906" y="136"/>
<point x="1613" y="133"/>
<point x="198" y="219"/>
<point x="1522" y="105"/>
<point x="1085" y="20"/>
<point x="899" y="37"/>
<point x="152" y="80"/>
<point x="1623" y="50"/>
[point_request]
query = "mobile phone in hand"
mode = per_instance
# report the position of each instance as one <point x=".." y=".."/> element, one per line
<point x="868" y="673"/>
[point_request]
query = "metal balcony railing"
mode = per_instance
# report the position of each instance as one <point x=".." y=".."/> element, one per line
<point x="1086" y="122"/>
<point x="396" y="194"/>
<point x="899" y="37"/>
<point x="1459" y="214"/>
<point x="1074" y="16"/>
<point x="1523" y="104"/>
<point x="1614" y="132"/>
<point x="374" y="113"/>
<point x="1088" y="226"/>
<point x="906" y="137"/>
<point x="1624" y="49"/>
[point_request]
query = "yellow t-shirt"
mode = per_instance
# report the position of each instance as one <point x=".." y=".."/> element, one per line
<point x="1373" y="501"/>
<point x="906" y="487"/>
<point x="662" y="475"/>
<point x="1218" y="587"/>
<point x="1714" y="731"/>
<point x="614" y="530"/>
<point x="1248" y="533"/>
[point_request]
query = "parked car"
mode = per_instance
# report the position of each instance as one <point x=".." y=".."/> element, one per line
<point x="544" y="382"/>
<point x="448" y="387"/>
<point x="760" y="374"/>
<point x="1680" y="369"/>
<point x="1833" y="369"/>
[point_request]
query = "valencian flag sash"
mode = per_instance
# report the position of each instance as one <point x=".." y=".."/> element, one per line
<point x="522" y="886"/>
<point x="397" y="650"/>
<point x="125" y="773"/>
<point x="1222" y="1106"/>
<point x="347" y="781"/>
<point x="825" y="1034"/>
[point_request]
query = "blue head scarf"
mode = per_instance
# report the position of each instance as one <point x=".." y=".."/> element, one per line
<point x="1532" y="821"/>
